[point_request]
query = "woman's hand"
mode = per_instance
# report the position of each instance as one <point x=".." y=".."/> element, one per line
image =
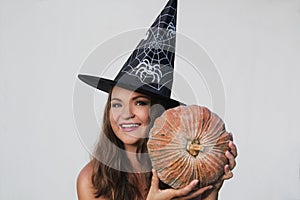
<point x="188" y="192"/>
<point x="231" y="155"/>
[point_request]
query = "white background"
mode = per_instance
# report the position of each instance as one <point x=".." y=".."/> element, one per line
<point x="254" y="44"/>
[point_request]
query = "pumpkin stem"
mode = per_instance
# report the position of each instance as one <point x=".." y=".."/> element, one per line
<point x="194" y="147"/>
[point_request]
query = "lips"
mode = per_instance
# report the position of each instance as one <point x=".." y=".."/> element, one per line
<point x="127" y="127"/>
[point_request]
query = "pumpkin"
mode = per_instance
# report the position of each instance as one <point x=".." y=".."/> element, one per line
<point x="187" y="143"/>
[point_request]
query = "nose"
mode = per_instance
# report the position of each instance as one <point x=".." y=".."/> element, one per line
<point x="127" y="113"/>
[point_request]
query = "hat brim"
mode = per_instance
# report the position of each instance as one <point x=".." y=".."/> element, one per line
<point x="106" y="85"/>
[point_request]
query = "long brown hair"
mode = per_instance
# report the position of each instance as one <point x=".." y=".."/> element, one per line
<point x="110" y="177"/>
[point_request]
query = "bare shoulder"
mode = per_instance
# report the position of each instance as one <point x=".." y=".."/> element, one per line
<point x="85" y="175"/>
<point x="85" y="189"/>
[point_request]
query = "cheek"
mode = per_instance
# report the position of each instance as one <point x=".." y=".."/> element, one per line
<point x="112" y="120"/>
<point x="144" y="116"/>
<point x="113" y="116"/>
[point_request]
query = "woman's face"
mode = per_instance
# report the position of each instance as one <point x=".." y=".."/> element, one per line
<point x="129" y="115"/>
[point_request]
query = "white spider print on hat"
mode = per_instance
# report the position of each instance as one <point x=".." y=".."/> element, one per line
<point x="152" y="60"/>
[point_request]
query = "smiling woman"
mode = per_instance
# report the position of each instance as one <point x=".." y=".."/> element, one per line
<point x="125" y="123"/>
<point x="127" y="119"/>
<point x="140" y="93"/>
<point x="129" y="116"/>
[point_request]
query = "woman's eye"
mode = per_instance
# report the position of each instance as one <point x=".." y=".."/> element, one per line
<point x="142" y="103"/>
<point x="116" y="105"/>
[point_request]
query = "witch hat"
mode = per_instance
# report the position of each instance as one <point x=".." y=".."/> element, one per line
<point x="150" y="68"/>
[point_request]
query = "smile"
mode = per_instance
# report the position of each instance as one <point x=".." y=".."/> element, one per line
<point x="130" y="125"/>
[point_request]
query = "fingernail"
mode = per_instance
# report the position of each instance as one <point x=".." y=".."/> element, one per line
<point x="153" y="171"/>
<point x="196" y="182"/>
<point x="227" y="167"/>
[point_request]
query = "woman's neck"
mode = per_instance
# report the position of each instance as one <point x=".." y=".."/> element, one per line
<point x="132" y="157"/>
<point x="130" y="148"/>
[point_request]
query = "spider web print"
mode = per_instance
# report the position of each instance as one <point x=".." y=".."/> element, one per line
<point x="152" y="61"/>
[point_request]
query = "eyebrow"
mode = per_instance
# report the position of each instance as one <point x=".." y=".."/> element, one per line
<point x="134" y="98"/>
<point x="115" y="99"/>
<point x="141" y="96"/>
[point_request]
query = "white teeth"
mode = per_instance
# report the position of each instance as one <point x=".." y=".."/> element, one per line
<point x="129" y="125"/>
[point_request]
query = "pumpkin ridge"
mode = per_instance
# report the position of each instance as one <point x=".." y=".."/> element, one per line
<point x="172" y="167"/>
<point x="183" y="171"/>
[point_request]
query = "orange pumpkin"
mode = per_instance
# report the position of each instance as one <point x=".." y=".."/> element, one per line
<point x="187" y="143"/>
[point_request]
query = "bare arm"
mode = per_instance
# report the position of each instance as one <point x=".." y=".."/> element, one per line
<point x="85" y="189"/>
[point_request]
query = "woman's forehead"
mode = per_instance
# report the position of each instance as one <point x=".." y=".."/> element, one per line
<point x="125" y="93"/>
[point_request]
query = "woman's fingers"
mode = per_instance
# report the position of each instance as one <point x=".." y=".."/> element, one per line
<point x="231" y="136"/>
<point x="198" y="193"/>
<point x="227" y="173"/>
<point x="154" y="181"/>
<point x="231" y="155"/>
<point x="187" y="189"/>
<point x="186" y="193"/>
<point x="231" y="160"/>
<point x="233" y="149"/>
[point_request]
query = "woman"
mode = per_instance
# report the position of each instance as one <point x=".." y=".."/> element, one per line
<point x="121" y="169"/>
<point x="126" y="121"/>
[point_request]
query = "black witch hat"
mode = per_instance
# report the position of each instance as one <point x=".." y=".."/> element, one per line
<point x="150" y="68"/>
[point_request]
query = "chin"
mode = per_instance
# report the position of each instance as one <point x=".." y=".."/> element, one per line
<point x="131" y="141"/>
